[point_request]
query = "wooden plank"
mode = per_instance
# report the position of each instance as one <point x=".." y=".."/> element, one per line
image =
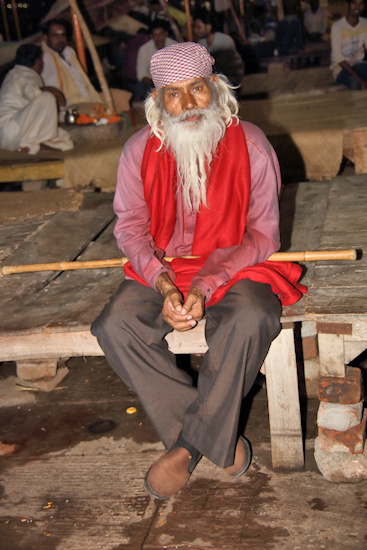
<point x="331" y="353"/>
<point x="64" y="235"/>
<point x="302" y="208"/>
<point x="53" y="169"/>
<point x="283" y="402"/>
<point x="191" y="341"/>
<point x="341" y="275"/>
<point x="74" y="298"/>
<point x="48" y="345"/>
<point x="12" y="235"/>
<point x="336" y="301"/>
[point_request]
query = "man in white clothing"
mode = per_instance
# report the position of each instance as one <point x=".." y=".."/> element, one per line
<point x="28" y="109"/>
<point x="159" y="39"/>
<point x="315" y="21"/>
<point x="221" y="46"/>
<point x="348" y="47"/>
<point x="62" y="68"/>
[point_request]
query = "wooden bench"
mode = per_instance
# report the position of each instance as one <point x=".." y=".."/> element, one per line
<point x="47" y="315"/>
<point x="42" y="350"/>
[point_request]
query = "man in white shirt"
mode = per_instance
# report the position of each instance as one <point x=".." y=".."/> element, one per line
<point x="159" y="39"/>
<point x="221" y="46"/>
<point x="348" y="47"/>
<point x="28" y="109"/>
<point x="315" y="21"/>
<point x="62" y="68"/>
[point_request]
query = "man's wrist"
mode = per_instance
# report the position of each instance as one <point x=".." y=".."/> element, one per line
<point x="196" y="290"/>
<point x="164" y="285"/>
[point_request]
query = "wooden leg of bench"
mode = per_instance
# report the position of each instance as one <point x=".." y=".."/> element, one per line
<point x="283" y="401"/>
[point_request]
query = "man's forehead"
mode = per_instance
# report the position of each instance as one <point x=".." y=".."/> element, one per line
<point x="57" y="29"/>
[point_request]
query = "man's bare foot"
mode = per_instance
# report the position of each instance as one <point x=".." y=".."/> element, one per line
<point x="46" y="148"/>
<point x="24" y="150"/>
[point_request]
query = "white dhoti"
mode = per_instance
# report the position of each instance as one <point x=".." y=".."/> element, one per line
<point x="35" y="124"/>
<point x="28" y="116"/>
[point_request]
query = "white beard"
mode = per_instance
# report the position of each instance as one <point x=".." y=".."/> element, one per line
<point x="193" y="145"/>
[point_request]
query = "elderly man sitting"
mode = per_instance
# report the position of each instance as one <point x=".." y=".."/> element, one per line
<point x="196" y="181"/>
<point x="28" y="109"/>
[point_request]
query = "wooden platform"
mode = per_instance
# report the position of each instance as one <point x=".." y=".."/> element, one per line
<point x="315" y="130"/>
<point x="92" y="161"/>
<point x="47" y="315"/>
<point x="314" y="127"/>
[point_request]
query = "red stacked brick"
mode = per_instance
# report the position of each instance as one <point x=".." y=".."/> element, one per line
<point x="343" y="391"/>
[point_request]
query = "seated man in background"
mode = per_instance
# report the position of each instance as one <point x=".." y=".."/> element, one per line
<point x="195" y="181"/>
<point x="348" y="47"/>
<point x="315" y="22"/>
<point x="61" y="67"/>
<point x="28" y="109"/>
<point x="289" y="34"/>
<point x="63" y="70"/>
<point x="158" y="39"/>
<point x="221" y="46"/>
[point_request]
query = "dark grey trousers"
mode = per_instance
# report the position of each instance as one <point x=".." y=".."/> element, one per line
<point x="239" y="331"/>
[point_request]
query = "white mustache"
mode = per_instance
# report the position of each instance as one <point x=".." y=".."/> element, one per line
<point x="195" y="112"/>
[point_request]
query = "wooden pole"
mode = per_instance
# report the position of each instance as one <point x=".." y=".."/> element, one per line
<point x="96" y="61"/>
<point x="5" y="19"/>
<point x="304" y="256"/>
<point x="79" y="41"/>
<point x="280" y="10"/>
<point x="188" y="21"/>
<point x="241" y="32"/>
<point x="16" y="20"/>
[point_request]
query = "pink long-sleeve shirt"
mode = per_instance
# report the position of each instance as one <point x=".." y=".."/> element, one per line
<point x="261" y="238"/>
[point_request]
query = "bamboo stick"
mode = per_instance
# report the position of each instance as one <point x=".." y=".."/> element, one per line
<point x="16" y="20"/>
<point x="188" y="21"/>
<point x="93" y="52"/>
<point x="304" y="256"/>
<point x="240" y="28"/>
<point x="5" y="19"/>
<point x="280" y="10"/>
<point x="79" y="41"/>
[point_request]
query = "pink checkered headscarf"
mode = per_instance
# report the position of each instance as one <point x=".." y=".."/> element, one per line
<point x="180" y="62"/>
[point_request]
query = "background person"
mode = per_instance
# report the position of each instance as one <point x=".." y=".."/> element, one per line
<point x="61" y="67"/>
<point x="315" y="22"/>
<point x="158" y="39"/>
<point x="348" y="47"/>
<point x="28" y="109"/>
<point x="221" y="46"/>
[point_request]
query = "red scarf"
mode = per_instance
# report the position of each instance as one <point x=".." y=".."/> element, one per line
<point x="220" y="225"/>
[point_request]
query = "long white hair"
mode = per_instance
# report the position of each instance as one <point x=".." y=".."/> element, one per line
<point x="194" y="144"/>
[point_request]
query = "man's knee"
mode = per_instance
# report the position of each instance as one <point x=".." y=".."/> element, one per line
<point x="254" y="308"/>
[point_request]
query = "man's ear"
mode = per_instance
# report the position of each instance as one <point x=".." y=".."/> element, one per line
<point x="154" y="94"/>
<point x="214" y="78"/>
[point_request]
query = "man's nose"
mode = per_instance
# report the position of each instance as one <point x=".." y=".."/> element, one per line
<point x="188" y="101"/>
